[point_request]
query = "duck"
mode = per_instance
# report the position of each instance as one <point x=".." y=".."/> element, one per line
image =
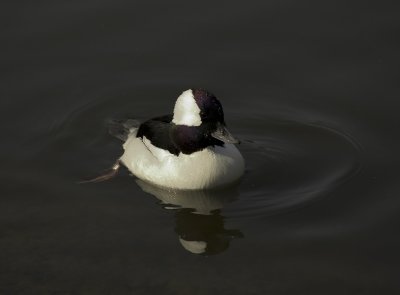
<point x="190" y="149"/>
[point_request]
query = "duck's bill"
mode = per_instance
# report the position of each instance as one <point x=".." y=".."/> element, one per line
<point x="224" y="135"/>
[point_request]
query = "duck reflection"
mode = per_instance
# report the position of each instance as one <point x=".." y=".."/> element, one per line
<point x="198" y="219"/>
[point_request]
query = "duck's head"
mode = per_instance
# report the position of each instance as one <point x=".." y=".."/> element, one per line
<point x="196" y="107"/>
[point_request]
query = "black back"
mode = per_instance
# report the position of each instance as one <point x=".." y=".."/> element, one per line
<point x="164" y="134"/>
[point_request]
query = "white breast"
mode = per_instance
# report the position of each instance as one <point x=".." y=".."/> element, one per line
<point x="209" y="168"/>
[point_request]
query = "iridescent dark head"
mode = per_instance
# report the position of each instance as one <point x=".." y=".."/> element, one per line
<point x="209" y="105"/>
<point x="195" y="107"/>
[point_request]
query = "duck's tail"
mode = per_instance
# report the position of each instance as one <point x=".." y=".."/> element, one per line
<point x="108" y="175"/>
<point x="121" y="129"/>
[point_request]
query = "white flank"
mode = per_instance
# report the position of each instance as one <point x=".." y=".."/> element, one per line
<point x="209" y="168"/>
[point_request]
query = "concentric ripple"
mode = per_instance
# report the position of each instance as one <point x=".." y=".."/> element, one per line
<point x="290" y="164"/>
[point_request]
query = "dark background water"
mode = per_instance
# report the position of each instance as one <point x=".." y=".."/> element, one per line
<point x="310" y="87"/>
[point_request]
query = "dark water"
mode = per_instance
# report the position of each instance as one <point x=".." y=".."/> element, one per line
<point x="312" y="90"/>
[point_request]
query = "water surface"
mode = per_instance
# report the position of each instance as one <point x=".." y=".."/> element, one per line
<point x="310" y="88"/>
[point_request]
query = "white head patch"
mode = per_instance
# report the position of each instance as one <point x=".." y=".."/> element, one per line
<point x="186" y="111"/>
<point x="196" y="247"/>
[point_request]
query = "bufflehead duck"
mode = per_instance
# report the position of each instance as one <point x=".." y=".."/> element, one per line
<point x="189" y="149"/>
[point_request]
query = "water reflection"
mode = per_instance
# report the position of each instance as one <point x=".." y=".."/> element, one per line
<point x="199" y="224"/>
